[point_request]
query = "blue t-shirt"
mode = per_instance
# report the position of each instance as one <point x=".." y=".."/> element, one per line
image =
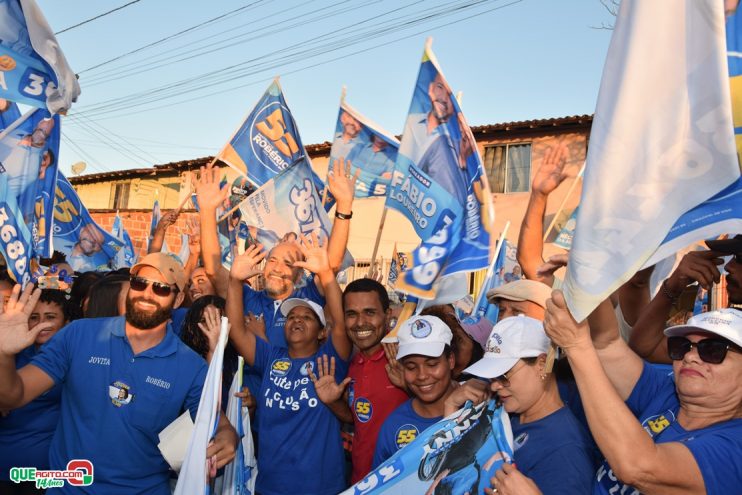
<point x="258" y="302"/>
<point x="299" y="444"/>
<point x="555" y="452"/>
<point x="716" y="448"/>
<point x="177" y="318"/>
<point x="401" y="427"/>
<point x="114" y="403"/>
<point x="26" y="432"/>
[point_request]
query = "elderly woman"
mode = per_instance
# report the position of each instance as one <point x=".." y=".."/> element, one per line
<point x="659" y="433"/>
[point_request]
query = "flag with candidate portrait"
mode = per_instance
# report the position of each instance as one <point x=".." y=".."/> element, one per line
<point x="370" y="150"/>
<point x="86" y="245"/>
<point x="33" y="69"/>
<point x="495" y="278"/>
<point x="440" y="185"/>
<point x="28" y="171"/>
<point x="126" y="257"/>
<point x="458" y="454"/>
<point x="657" y="149"/>
<point x="285" y="207"/>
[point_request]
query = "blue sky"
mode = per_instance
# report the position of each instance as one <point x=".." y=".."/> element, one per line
<point x="513" y="60"/>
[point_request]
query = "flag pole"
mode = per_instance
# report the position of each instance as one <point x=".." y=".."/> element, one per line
<point x="378" y="239"/>
<point x="17" y="122"/>
<point x="564" y="201"/>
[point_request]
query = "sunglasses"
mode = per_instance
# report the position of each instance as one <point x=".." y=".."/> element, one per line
<point x="140" y="284"/>
<point x="711" y="351"/>
<point x="504" y="379"/>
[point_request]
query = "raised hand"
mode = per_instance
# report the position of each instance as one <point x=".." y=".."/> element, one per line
<point x="167" y="220"/>
<point x="696" y="266"/>
<point x="393" y="367"/>
<point x="211" y="327"/>
<point x="551" y="172"/>
<point x="561" y="327"/>
<point x="552" y="264"/>
<point x="210" y="195"/>
<point x="244" y="265"/>
<point x="342" y="185"/>
<point x="315" y="254"/>
<point x="14" y="332"/>
<point x="328" y="391"/>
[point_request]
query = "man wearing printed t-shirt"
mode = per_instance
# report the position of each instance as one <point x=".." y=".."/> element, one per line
<point x="123" y="380"/>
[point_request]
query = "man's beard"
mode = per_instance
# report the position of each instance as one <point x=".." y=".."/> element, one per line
<point x="275" y="288"/>
<point x="146" y="321"/>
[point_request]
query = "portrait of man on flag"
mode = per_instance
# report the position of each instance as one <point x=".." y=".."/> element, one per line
<point x="368" y="148"/>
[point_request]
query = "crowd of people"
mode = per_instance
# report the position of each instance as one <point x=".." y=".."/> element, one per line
<point x="96" y="367"/>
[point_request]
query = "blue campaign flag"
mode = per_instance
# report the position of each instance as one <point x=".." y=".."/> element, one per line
<point x="367" y="147"/>
<point x="564" y="238"/>
<point x="440" y="185"/>
<point x="286" y="206"/>
<point x="495" y="278"/>
<point x="33" y="69"/>
<point x="459" y="454"/>
<point x="28" y="171"/>
<point x="126" y="256"/>
<point x="87" y="246"/>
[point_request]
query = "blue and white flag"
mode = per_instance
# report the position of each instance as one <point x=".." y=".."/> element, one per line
<point x="192" y="478"/>
<point x="185" y="251"/>
<point x="33" y="69"/>
<point x="662" y="142"/>
<point x="367" y="147"/>
<point x="87" y="246"/>
<point x="156" y="217"/>
<point x="240" y="475"/>
<point x="495" y="278"/>
<point x="440" y="185"/>
<point x="286" y="207"/>
<point x="126" y="256"/>
<point x="459" y="454"/>
<point x="565" y="236"/>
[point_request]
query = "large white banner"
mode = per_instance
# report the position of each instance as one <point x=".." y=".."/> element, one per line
<point x="661" y="142"/>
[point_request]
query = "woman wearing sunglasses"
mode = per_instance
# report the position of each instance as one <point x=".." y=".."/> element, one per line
<point x="660" y="434"/>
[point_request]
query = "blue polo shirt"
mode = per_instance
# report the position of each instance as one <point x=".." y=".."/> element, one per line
<point x="259" y="303"/>
<point x="401" y="427"/>
<point x="26" y="432"/>
<point x="114" y="403"/>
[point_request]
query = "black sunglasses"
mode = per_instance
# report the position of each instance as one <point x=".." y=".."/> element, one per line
<point x="140" y="284"/>
<point x="711" y="351"/>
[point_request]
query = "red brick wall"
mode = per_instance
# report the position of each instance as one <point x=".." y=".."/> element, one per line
<point x="137" y="223"/>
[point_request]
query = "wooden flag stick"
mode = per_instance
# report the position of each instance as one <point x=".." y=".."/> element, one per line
<point x="564" y="201"/>
<point x="407" y="311"/>
<point x="378" y="240"/>
<point x="17" y="122"/>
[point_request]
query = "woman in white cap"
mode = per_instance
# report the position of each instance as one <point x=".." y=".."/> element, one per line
<point x="660" y="434"/>
<point x="299" y="444"/>
<point x="552" y="450"/>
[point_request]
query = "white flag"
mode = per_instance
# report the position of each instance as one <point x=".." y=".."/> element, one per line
<point x="661" y="142"/>
<point x="192" y="478"/>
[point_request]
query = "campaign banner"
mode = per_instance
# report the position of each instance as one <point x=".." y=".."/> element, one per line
<point x="86" y="245"/>
<point x="459" y="454"/>
<point x="126" y="257"/>
<point x="440" y="185"/>
<point x="398" y="264"/>
<point x="33" y="69"/>
<point x="286" y="207"/>
<point x="495" y="278"/>
<point x="657" y="150"/>
<point x="564" y="238"/>
<point x="193" y="477"/>
<point x="28" y="172"/>
<point x="367" y="147"/>
<point x="240" y="189"/>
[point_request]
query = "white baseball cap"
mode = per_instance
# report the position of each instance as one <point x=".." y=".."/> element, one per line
<point x="511" y="339"/>
<point x="726" y="323"/>
<point x="425" y="335"/>
<point x="295" y="302"/>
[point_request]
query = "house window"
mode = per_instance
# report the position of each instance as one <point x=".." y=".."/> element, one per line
<point x="119" y="196"/>
<point x="508" y="167"/>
